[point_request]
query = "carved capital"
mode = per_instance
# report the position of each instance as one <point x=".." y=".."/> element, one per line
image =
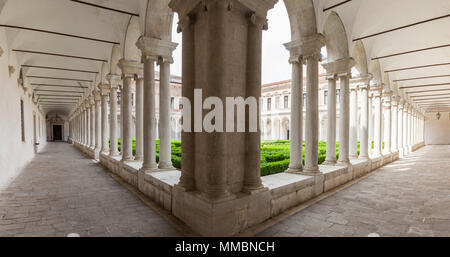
<point x="91" y="100"/>
<point x="97" y="95"/>
<point x="261" y="22"/>
<point x="363" y="81"/>
<point x="11" y="70"/>
<point x="308" y="47"/>
<point x="130" y="68"/>
<point x="1" y="52"/>
<point x="156" y="49"/>
<point x="338" y="67"/>
<point x="114" y="80"/>
<point x="104" y="89"/>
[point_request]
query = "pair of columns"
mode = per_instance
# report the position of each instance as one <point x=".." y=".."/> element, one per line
<point x="306" y="51"/>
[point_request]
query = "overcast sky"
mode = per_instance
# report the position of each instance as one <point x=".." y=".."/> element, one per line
<point x="274" y="57"/>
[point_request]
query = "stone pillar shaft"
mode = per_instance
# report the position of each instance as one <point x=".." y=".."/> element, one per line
<point x="364" y="126"/>
<point x="104" y="125"/>
<point x="331" y="121"/>
<point x="353" y="141"/>
<point x="371" y="122"/>
<point x="312" y="115"/>
<point x="387" y="122"/>
<point x="126" y="141"/>
<point x="139" y="118"/>
<point x="92" y="124"/>
<point x="98" y="122"/>
<point x="296" y="154"/>
<point x="165" y="161"/>
<point x="114" y="151"/>
<point x="149" y="115"/>
<point x="344" y="120"/>
<point x="394" y="131"/>
<point x="377" y="123"/>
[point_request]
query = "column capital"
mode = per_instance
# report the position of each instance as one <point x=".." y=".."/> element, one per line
<point x="363" y="81"/>
<point x="305" y="48"/>
<point x="331" y="77"/>
<point x="91" y="100"/>
<point x="97" y="96"/>
<point x="156" y="49"/>
<point x="130" y="68"/>
<point x="184" y="7"/>
<point x="114" y="80"/>
<point x="395" y="100"/>
<point x="104" y="89"/>
<point x="339" y="67"/>
<point x="376" y="90"/>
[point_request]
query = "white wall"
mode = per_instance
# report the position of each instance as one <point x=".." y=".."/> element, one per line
<point x="437" y="132"/>
<point x="15" y="154"/>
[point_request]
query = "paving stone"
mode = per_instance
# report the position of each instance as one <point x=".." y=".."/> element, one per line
<point x="61" y="192"/>
<point x="410" y="197"/>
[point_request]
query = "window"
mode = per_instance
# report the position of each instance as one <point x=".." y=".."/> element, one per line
<point x="22" y="120"/>
<point x="118" y="98"/>
<point x="269" y="104"/>
<point x="132" y="99"/>
<point x="286" y="102"/>
<point x="338" y="94"/>
<point x="325" y="97"/>
<point x="172" y="103"/>
<point x="277" y="102"/>
<point x="304" y="99"/>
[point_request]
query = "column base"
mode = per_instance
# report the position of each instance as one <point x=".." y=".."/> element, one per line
<point x="329" y="163"/>
<point x="165" y="166"/>
<point x="223" y="217"/>
<point x="294" y="171"/>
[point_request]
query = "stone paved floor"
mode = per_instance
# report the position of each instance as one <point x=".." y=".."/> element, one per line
<point x="62" y="192"/>
<point x="410" y="197"/>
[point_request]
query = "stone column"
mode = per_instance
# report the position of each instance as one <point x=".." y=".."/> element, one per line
<point x="400" y="126"/>
<point x="98" y="123"/>
<point x="377" y="121"/>
<point x="387" y="97"/>
<point x="296" y="153"/>
<point x="311" y="53"/>
<point x="104" y="92"/>
<point x="371" y="122"/>
<point x="410" y="128"/>
<point x="405" y="129"/>
<point x="344" y="120"/>
<point x="129" y="69"/>
<point x="92" y="122"/>
<point x="165" y="155"/>
<point x="353" y="141"/>
<point x="139" y="117"/>
<point x="114" y="81"/>
<point x="87" y="122"/>
<point x="363" y="82"/>
<point x="331" y="121"/>
<point x="147" y="46"/>
<point x="394" y="131"/>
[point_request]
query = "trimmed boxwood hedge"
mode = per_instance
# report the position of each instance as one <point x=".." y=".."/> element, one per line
<point x="275" y="154"/>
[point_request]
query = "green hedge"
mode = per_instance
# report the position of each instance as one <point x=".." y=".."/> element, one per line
<point x="275" y="154"/>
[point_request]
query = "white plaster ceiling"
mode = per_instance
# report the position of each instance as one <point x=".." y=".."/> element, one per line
<point x="366" y="17"/>
<point x="68" y="17"/>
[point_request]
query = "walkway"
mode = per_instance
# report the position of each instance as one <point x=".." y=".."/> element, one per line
<point x="410" y="197"/>
<point x="62" y="192"/>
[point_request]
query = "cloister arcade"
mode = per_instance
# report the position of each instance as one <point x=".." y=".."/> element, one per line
<point x="219" y="190"/>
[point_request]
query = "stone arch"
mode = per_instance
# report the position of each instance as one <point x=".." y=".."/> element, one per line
<point x="335" y="38"/>
<point x="130" y="50"/>
<point x="157" y="19"/>
<point x="360" y="57"/>
<point x="285" y="128"/>
<point x="116" y="55"/>
<point x="268" y="129"/>
<point x="375" y="69"/>
<point x="302" y="18"/>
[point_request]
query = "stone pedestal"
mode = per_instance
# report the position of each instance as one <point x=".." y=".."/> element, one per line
<point x="220" y="191"/>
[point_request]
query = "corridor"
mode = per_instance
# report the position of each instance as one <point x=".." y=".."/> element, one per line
<point x="410" y="197"/>
<point x="63" y="192"/>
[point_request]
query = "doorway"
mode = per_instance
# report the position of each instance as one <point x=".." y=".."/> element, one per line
<point x="57" y="132"/>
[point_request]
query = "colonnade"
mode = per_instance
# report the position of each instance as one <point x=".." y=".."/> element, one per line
<point x="89" y="122"/>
